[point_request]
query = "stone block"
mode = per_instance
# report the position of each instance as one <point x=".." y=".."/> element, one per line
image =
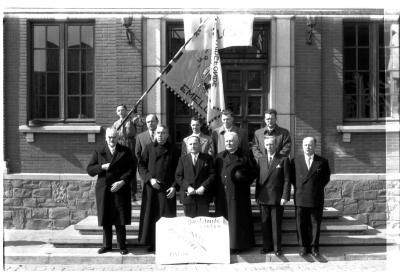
<point x="40" y="200"/>
<point x="30" y="185"/>
<point x="29" y="202"/>
<point x="40" y="213"/>
<point x="42" y="192"/>
<point x="350" y="209"/>
<point x="361" y="186"/>
<point x="74" y="195"/>
<point x="44" y="184"/>
<point x="377" y="184"/>
<point x="19" y="192"/>
<point x="28" y="213"/>
<point x="377" y="216"/>
<point x="339" y="205"/>
<point x="17" y="183"/>
<point x="333" y="193"/>
<point x="379" y="207"/>
<point x="86" y="183"/>
<point x="365" y="206"/>
<point x="348" y="201"/>
<point x="362" y="217"/>
<point x="78" y="215"/>
<point x="393" y="192"/>
<point x="378" y="224"/>
<point x="8" y="190"/>
<point x="7" y="215"/>
<point x="347" y="188"/>
<point x="59" y="213"/>
<point x="72" y="187"/>
<point x="18" y="219"/>
<point x="48" y="203"/>
<point x="61" y="223"/>
<point x="358" y="195"/>
<point x="85" y="195"/>
<point x="14" y="202"/>
<point x="370" y="195"/>
<point x="85" y="204"/>
<point x="39" y="224"/>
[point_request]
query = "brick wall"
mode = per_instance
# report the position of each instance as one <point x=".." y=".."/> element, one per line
<point x="118" y="79"/>
<point x="319" y="102"/>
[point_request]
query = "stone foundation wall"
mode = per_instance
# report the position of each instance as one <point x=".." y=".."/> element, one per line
<point x="362" y="196"/>
<point x="47" y="201"/>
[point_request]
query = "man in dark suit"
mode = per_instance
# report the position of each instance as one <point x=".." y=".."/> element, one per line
<point x="235" y="173"/>
<point x="228" y="126"/>
<point x="157" y="169"/>
<point x="309" y="174"/>
<point x="271" y="129"/>
<point x="272" y="192"/>
<point x="195" y="175"/>
<point x="113" y="165"/>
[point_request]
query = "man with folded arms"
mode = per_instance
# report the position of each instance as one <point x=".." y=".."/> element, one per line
<point x="195" y="175"/>
<point x="309" y="174"/>
<point x="272" y="192"/>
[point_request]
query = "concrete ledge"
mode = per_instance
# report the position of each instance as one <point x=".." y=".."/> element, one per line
<point x="48" y="176"/>
<point x="61" y="129"/>
<point x="368" y="128"/>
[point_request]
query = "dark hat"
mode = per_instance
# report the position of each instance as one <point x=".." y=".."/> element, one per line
<point x="239" y="173"/>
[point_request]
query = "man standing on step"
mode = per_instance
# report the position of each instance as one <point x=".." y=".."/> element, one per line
<point x="272" y="192"/>
<point x="271" y="129"/>
<point x="310" y="174"/>
<point x="195" y="176"/>
<point x="157" y="169"/>
<point x="113" y="165"/>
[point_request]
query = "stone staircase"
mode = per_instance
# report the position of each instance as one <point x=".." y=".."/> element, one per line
<point x="342" y="238"/>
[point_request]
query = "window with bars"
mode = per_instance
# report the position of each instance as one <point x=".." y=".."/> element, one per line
<point x="370" y="71"/>
<point x="62" y="71"/>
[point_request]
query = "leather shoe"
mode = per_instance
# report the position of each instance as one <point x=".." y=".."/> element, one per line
<point x="303" y="253"/>
<point x="103" y="250"/>
<point x="278" y="253"/>
<point x="123" y="251"/>
<point x="315" y="252"/>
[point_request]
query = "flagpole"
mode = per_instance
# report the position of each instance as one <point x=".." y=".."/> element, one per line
<point x="134" y="108"/>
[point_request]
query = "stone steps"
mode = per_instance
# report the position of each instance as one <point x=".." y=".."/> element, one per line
<point x="48" y="254"/>
<point x="70" y="237"/>
<point x="88" y="226"/>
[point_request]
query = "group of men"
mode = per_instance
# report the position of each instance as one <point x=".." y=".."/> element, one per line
<point x="219" y="168"/>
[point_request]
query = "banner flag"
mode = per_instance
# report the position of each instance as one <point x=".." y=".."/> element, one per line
<point x="188" y="73"/>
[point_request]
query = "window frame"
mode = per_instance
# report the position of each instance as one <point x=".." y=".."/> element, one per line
<point x="374" y="71"/>
<point x="63" y="62"/>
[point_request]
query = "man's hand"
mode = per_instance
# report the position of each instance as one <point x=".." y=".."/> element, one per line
<point x="190" y="191"/>
<point x="170" y="192"/>
<point x="283" y="201"/>
<point x="155" y="183"/>
<point x="105" y="166"/>
<point x="117" y="185"/>
<point x="200" y="190"/>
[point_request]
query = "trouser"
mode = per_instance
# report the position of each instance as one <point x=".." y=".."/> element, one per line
<point x="271" y="225"/>
<point x="196" y="209"/>
<point x="121" y="236"/>
<point x="308" y="222"/>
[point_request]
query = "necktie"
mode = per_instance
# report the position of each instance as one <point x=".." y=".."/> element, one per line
<point x="308" y="163"/>
<point x="194" y="160"/>
<point x="152" y="136"/>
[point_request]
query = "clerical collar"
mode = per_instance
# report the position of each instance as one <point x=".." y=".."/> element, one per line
<point x="194" y="134"/>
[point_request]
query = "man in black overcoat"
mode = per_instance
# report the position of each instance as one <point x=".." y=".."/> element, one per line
<point x="272" y="192"/>
<point x="195" y="176"/>
<point x="310" y="174"/>
<point x="235" y="173"/>
<point x="113" y="165"/>
<point x="157" y="169"/>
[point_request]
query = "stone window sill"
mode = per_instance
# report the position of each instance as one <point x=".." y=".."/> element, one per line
<point x="346" y="130"/>
<point x="90" y="130"/>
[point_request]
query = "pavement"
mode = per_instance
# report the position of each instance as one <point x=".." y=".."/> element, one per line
<point x="30" y="250"/>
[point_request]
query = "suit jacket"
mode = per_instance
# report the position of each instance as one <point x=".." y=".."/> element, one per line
<point x="159" y="161"/>
<point x="309" y="184"/>
<point x="282" y="137"/>
<point x="273" y="182"/>
<point x="206" y="144"/>
<point x="112" y="208"/>
<point x="142" y="140"/>
<point x="219" y="140"/>
<point x="201" y="174"/>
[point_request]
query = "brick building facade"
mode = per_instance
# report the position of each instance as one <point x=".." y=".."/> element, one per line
<point x="304" y="70"/>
